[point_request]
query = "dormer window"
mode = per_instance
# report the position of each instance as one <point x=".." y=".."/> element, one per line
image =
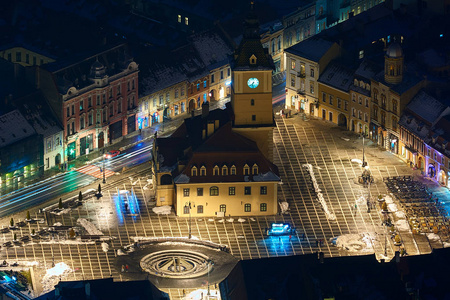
<point x="224" y="170"/>
<point x="194" y="171"/>
<point x="233" y="170"/>
<point x="216" y="170"/>
<point x="246" y="170"/>
<point x="355" y="82"/>
<point x="253" y="59"/>
<point x="255" y="169"/>
<point x="203" y="171"/>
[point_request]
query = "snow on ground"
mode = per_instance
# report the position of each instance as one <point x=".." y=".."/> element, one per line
<point x="357" y="160"/>
<point x="253" y="219"/>
<point x="388" y="199"/>
<point x="361" y="200"/>
<point x="345" y="139"/>
<point x="400" y="214"/>
<point x="67" y="242"/>
<point x="284" y="206"/>
<point x="241" y="220"/>
<point x="320" y="198"/>
<point x="162" y="210"/>
<point x="402" y="225"/>
<point x="54" y="275"/>
<point x="57" y="224"/>
<point x="202" y="294"/>
<point x="105" y="247"/>
<point x="211" y="220"/>
<point x="122" y="192"/>
<point x="231" y="220"/>
<point x="392" y="207"/>
<point x="362" y="242"/>
<point x="433" y="237"/>
<point x="120" y="252"/>
<point x="62" y="212"/>
<point x="221" y="221"/>
<point x="446" y="245"/>
<point x="90" y="228"/>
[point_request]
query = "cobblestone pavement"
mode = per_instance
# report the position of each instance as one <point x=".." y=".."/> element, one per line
<point x="328" y="148"/>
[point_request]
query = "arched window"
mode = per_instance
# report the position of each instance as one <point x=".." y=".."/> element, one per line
<point x="246" y="170"/>
<point x="203" y="171"/>
<point x="224" y="170"/>
<point x="194" y="171"/>
<point x="355" y="82"/>
<point x="255" y="169"/>
<point x="233" y="170"/>
<point x="216" y="170"/>
<point x="375" y="95"/>
<point x="214" y="191"/>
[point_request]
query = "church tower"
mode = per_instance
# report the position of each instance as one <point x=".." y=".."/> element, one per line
<point x="251" y="93"/>
<point x="393" y="64"/>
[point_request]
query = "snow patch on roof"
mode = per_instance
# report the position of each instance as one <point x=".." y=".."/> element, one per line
<point x="269" y="176"/>
<point x="182" y="178"/>
<point x="14" y="127"/>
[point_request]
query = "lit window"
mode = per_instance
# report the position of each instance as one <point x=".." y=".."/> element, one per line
<point x="263" y="190"/>
<point x="247" y="207"/>
<point x="223" y="208"/>
<point x="203" y="171"/>
<point x="263" y="207"/>
<point x="186" y="20"/>
<point x="231" y="191"/>
<point x="200" y="209"/>
<point x="199" y="191"/>
<point x="179" y="18"/>
<point x="186" y="192"/>
<point x="214" y="191"/>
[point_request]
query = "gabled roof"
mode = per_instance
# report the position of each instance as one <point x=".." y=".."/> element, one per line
<point x="228" y="148"/>
<point x="312" y="49"/>
<point x="426" y="106"/>
<point x="337" y="76"/>
<point x="13" y="128"/>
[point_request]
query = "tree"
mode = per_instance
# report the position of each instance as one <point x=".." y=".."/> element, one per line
<point x="99" y="188"/>
<point x="15" y="236"/>
<point x="80" y="197"/>
<point x="33" y="232"/>
<point x="28" y="215"/>
<point x="397" y="239"/>
<point x="11" y="222"/>
<point x="60" y="205"/>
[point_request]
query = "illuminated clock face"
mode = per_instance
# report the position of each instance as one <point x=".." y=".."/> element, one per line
<point x="253" y="82"/>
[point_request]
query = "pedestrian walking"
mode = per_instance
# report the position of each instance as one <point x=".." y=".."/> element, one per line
<point x="122" y="269"/>
<point x="184" y="292"/>
<point x="317" y="242"/>
<point x="303" y="236"/>
<point x="290" y="237"/>
<point x="126" y="268"/>
<point x="279" y="239"/>
<point x="321" y="242"/>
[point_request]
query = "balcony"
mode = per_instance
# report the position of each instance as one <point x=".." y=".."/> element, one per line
<point x="301" y="74"/>
<point x="301" y="91"/>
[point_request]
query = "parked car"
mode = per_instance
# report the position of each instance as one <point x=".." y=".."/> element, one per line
<point x="112" y="153"/>
<point x="280" y="229"/>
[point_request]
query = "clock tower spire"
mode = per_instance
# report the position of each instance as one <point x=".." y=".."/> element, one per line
<point x="251" y="92"/>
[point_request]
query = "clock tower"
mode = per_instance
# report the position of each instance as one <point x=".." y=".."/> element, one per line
<point x="251" y="92"/>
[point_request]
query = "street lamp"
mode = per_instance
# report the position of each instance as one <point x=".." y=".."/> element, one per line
<point x="363" y="161"/>
<point x="188" y="204"/>
<point x="210" y="262"/>
<point x="103" y="170"/>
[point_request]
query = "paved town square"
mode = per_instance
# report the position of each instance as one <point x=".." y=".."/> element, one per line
<point x="343" y="223"/>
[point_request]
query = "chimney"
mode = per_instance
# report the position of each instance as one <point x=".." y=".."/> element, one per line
<point x="205" y="109"/>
